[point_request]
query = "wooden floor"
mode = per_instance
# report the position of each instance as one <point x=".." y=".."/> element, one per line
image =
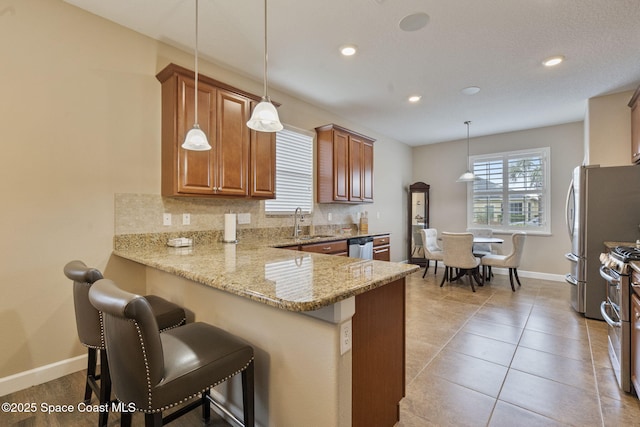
<point x="69" y="390"/>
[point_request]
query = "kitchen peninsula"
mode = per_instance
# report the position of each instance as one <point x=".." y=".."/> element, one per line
<point x="301" y="311"/>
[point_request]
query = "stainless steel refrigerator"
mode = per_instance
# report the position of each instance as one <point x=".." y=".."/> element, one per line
<point x="603" y="204"/>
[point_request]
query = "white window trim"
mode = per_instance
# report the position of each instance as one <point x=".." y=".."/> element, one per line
<point x="305" y="141"/>
<point x="546" y="197"/>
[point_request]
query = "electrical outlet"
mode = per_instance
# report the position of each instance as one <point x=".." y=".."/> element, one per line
<point x="186" y="219"/>
<point x="377" y="215"/>
<point x="166" y="219"/>
<point x="244" y="218"/>
<point x="329" y="216"/>
<point x="345" y="337"/>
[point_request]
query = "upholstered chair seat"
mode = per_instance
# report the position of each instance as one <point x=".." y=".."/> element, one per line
<point x="90" y="328"/>
<point x="157" y="371"/>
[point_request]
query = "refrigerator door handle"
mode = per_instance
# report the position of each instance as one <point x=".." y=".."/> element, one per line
<point x="572" y="257"/>
<point x="570" y="201"/>
<point x="570" y="279"/>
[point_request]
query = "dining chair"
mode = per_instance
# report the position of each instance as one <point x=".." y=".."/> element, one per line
<point x="510" y="261"/>
<point x="153" y="371"/>
<point x="458" y="253"/>
<point x="432" y="251"/>
<point x="482" y="249"/>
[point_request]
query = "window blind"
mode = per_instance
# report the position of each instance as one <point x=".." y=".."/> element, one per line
<point x="511" y="191"/>
<point x="294" y="172"/>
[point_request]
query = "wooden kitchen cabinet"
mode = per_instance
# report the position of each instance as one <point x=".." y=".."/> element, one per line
<point x="344" y="166"/>
<point x="635" y="126"/>
<point x="337" y="247"/>
<point x="241" y="162"/>
<point x="382" y="248"/>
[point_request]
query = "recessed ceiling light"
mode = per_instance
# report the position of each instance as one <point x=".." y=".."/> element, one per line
<point x="471" y="90"/>
<point x="414" y="22"/>
<point x="415" y="98"/>
<point x="553" y="60"/>
<point x="348" y="49"/>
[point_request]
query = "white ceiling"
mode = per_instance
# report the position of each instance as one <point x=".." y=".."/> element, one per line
<point x="497" y="45"/>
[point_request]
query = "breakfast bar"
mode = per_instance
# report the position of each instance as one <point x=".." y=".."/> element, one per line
<point x="327" y="331"/>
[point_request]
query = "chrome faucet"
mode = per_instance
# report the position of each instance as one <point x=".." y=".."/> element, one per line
<point x="296" y="222"/>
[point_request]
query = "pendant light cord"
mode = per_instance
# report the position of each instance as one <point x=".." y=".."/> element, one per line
<point x="265" y="50"/>
<point x="468" y="122"/>
<point x="195" y="120"/>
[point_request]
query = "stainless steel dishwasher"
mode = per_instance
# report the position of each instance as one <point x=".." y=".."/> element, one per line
<point x="361" y="247"/>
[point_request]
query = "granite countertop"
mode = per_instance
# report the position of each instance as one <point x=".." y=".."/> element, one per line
<point x="257" y="269"/>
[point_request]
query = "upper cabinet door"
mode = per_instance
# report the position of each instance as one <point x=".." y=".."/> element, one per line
<point x="232" y="144"/>
<point x="344" y="166"/>
<point x="263" y="162"/>
<point x="341" y="165"/>
<point x="194" y="168"/>
<point x="367" y="171"/>
<point x="356" y="167"/>
<point x="635" y="126"/>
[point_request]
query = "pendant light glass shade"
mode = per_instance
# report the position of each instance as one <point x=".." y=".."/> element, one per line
<point x="468" y="176"/>
<point x="265" y="116"/>
<point x="196" y="139"/>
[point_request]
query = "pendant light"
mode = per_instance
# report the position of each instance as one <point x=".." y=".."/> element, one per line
<point x="196" y="140"/>
<point x="468" y="175"/>
<point x="265" y="116"/>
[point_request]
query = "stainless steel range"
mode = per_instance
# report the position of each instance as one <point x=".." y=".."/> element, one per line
<point x="616" y="309"/>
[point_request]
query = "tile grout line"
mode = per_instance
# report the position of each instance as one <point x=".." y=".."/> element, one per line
<point x="593" y="368"/>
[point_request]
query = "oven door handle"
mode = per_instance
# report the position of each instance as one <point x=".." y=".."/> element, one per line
<point x="605" y="315"/>
<point x="634" y="286"/>
<point x="604" y="273"/>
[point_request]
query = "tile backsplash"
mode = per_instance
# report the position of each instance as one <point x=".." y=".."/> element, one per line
<point x="143" y="213"/>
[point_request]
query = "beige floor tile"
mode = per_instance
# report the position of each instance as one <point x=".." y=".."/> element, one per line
<point x="551" y="399"/>
<point x="497" y="331"/>
<point x="562" y="346"/>
<point x="444" y="403"/>
<point x="484" y="348"/>
<point x="471" y="372"/>
<point x="502" y="315"/>
<point x="507" y="415"/>
<point x="553" y="367"/>
<point x="620" y="412"/>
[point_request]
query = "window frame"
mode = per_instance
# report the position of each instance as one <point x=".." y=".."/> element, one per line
<point x="544" y="153"/>
<point x="305" y="139"/>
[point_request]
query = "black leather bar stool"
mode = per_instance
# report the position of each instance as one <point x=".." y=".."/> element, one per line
<point x="157" y="371"/>
<point x="89" y="323"/>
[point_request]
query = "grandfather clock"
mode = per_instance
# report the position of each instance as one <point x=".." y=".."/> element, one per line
<point x="418" y="212"/>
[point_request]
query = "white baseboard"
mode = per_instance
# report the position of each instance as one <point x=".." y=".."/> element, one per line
<point x="42" y="374"/>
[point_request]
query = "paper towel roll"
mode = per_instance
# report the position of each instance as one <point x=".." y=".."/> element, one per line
<point x="229" y="227"/>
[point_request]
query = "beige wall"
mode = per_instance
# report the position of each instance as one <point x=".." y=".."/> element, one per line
<point x="441" y="164"/>
<point x="80" y="114"/>
<point x="608" y="130"/>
